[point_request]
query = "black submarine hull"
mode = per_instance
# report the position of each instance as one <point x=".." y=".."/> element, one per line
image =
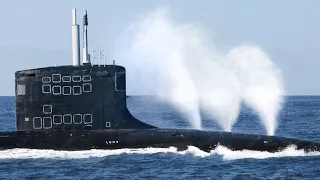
<point x="83" y="106"/>
<point x="156" y="138"/>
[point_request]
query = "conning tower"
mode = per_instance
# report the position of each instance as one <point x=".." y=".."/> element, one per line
<point x="73" y="97"/>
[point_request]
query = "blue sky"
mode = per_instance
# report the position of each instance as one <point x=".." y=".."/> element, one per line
<point x="37" y="33"/>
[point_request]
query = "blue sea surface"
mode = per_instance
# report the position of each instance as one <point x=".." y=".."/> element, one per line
<point x="299" y="118"/>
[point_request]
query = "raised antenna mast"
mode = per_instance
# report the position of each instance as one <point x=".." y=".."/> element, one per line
<point x="102" y="57"/>
<point x="86" y="58"/>
<point x="75" y="40"/>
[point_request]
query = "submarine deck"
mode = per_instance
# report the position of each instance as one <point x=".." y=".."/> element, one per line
<point x="144" y="138"/>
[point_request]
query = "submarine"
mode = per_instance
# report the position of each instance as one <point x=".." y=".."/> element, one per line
<point x="83" y="106"/>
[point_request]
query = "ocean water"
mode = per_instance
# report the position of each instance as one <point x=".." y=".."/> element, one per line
<point x="299" y="118"/>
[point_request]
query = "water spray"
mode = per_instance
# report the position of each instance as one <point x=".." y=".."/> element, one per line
<point x="261" y="83"/>
<point x="178" y="64"/>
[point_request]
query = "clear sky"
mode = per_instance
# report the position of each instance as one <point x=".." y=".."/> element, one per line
<point x="37" y="33"/>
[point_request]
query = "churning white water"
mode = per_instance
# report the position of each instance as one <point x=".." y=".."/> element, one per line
<point x="180" y="64"/>
<point x="222" y="151"/>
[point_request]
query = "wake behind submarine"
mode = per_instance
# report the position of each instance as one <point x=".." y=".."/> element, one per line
<point x="83" y="106"/>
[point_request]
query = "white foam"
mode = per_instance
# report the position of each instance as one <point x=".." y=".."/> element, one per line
<point x="225" y="153"/>
<point x="291" y="151"/>
<point x="55" y="154"/>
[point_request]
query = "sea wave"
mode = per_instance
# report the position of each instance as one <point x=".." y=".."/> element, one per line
<point x="223" y="152"/>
